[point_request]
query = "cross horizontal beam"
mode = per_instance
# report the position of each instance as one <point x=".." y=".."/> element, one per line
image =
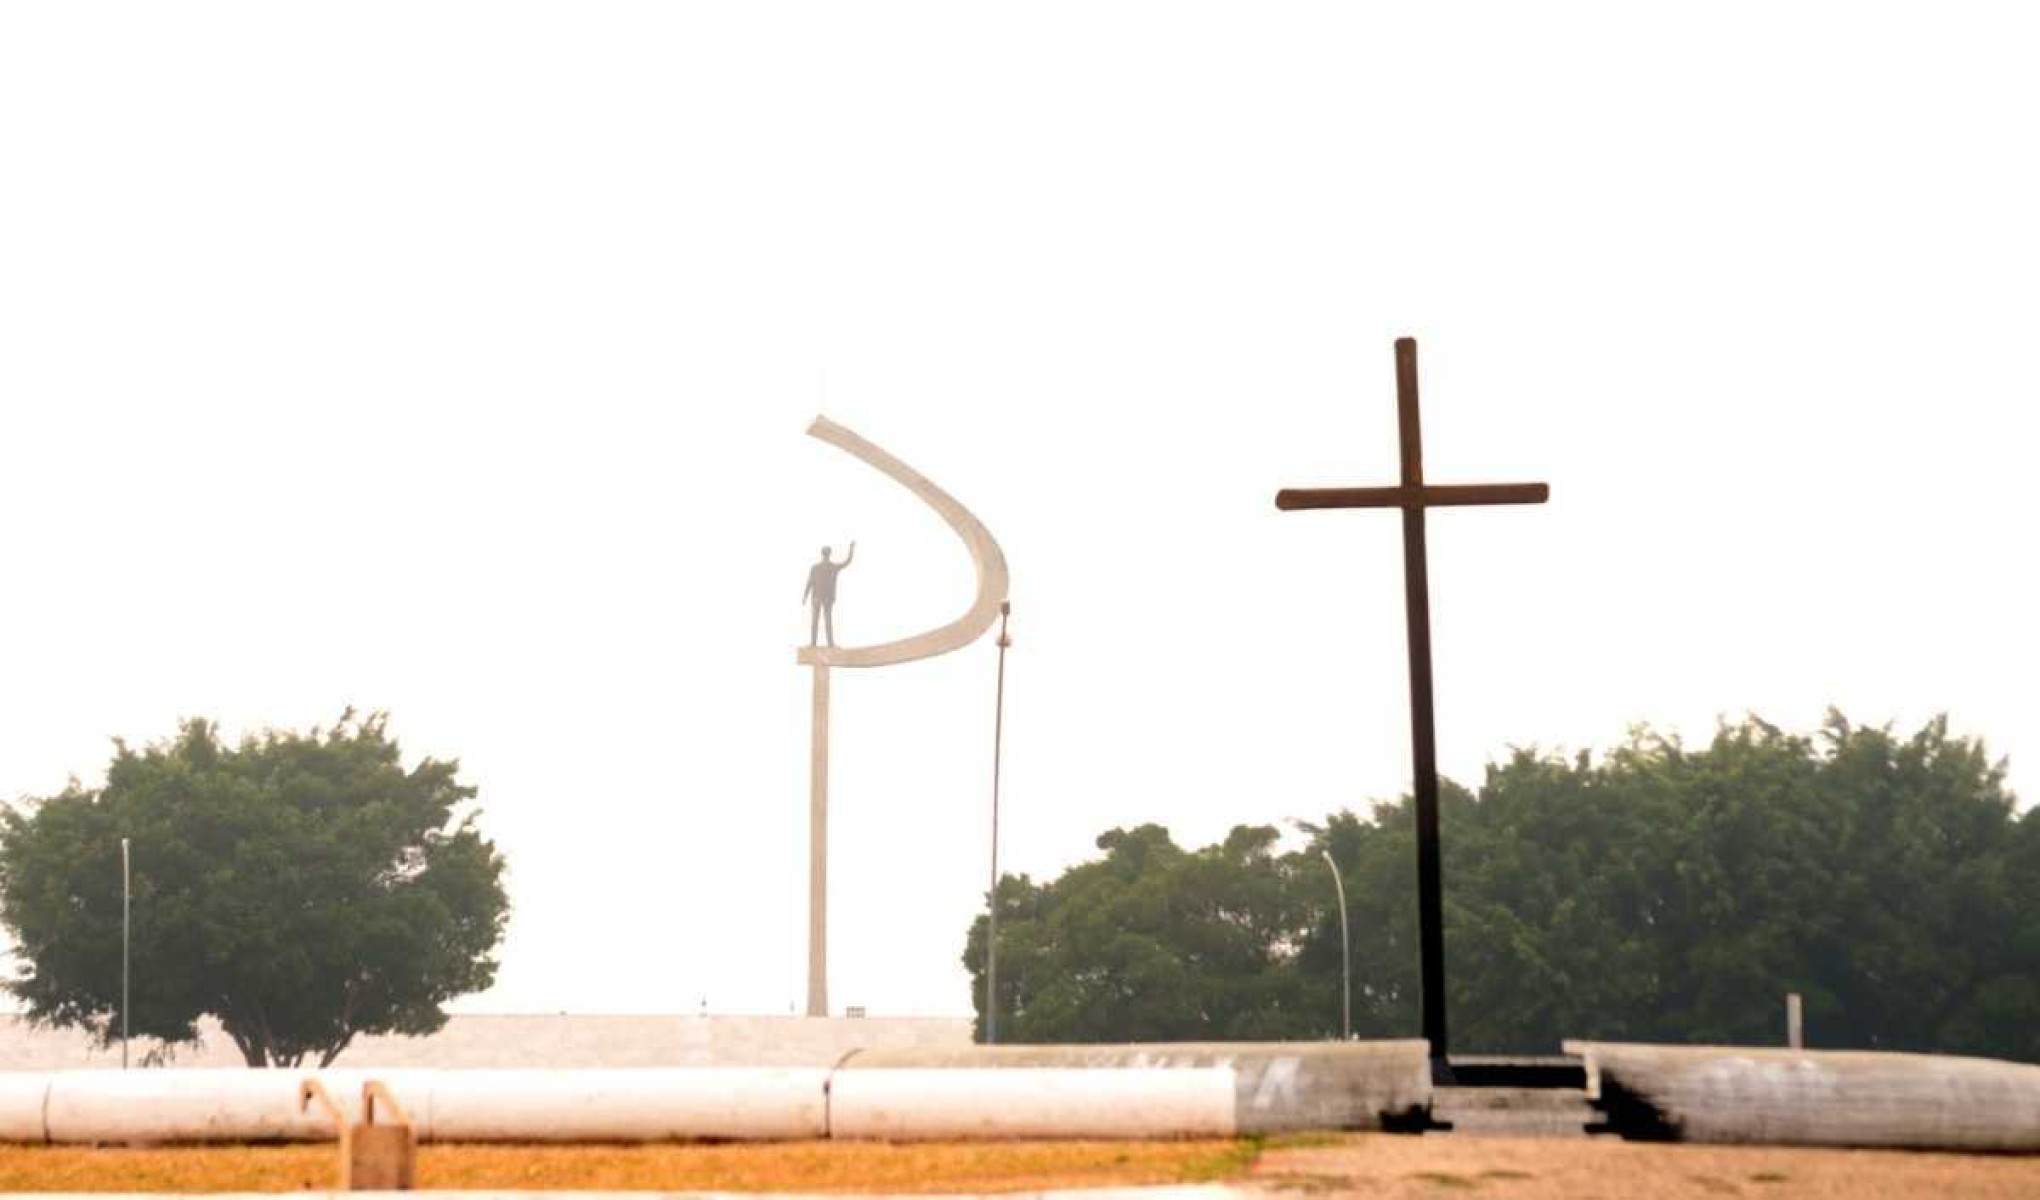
<point x="1429" y="495"/>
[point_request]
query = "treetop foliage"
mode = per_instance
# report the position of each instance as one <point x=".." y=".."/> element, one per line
<point x="1662" y="893"/>
<point x="303" y="888"/>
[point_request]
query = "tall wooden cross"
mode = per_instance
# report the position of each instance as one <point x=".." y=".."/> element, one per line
<point x="1413" y="496"/>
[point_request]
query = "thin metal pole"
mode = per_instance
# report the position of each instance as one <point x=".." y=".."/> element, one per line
<point x="126" y="906"/>
<point x="1345" y="953"/>
<point x="992" y="924"/>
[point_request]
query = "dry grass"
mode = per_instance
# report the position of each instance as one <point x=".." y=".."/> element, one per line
<point x="1368" y="1165"/>
<point x="784" y="1166"/>
<point x="1579" y="1169"/>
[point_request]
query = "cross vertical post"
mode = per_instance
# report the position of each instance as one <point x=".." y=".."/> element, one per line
<point x="1423" y="727"/>
<point x="1413" y="496"/>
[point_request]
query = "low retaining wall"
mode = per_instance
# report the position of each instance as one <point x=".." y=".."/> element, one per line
<point x="912" y="1103"/>
<point x="1276" y="1086"/>
<point x="262" y="1105"/>
<point x="1814" y="1097"/>
<point x="1047" y="1092"/>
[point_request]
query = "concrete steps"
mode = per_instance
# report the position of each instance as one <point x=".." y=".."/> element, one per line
<point x="1512" y="1112"/>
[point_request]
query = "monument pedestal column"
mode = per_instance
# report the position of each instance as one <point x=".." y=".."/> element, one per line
<point x="990" y="565"/>
<point x="818" y="850"/>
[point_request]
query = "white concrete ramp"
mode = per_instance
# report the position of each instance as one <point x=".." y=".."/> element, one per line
<point x="1813" y="1097"/>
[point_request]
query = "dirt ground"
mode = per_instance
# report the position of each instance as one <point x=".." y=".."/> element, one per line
<point x="1381" y="1167"/>
<point x="784" y="1166"/>
<point x="1373" y="1166"/>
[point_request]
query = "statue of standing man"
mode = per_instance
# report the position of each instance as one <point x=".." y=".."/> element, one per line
<point x="821" y="593"/>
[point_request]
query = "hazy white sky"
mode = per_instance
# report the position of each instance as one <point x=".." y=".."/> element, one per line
<point x="454" y="360"/>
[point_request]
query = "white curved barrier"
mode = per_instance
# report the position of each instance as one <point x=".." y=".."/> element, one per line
<point x="1039" y="1092"/>
<point x="163" y="1106"/>
<point x="1031" y="1102"/>
<point x="21" y="1107"/>
<point x="224" y="1105"/>
<point x="1814" y="1097"/>
<point x="643" y="1105"/>
<point x="1277" y="1086"/>
<point x="523" y="1105"/>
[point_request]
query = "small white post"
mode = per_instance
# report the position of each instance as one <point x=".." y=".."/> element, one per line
<point x="1795" y="1028"/>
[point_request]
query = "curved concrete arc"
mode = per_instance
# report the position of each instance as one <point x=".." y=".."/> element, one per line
<point x="985" y="556"/>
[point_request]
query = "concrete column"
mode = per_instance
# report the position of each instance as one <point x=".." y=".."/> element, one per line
<point x="990" y="564"/>
<point x="818" y="850"/>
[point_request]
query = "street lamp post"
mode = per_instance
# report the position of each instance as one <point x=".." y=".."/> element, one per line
<point x="1345" y="954"/>
<point x="992" y="921"/>
<point x="126" y="905"/>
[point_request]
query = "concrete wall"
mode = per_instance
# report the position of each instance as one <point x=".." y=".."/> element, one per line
<point x="561" y="1040"/>
<point x="1768" y="1096"/>
<point x="1048" y="1091"/>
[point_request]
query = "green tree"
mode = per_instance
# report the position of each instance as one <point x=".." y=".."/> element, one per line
<point x="1149" y="942"/>
<point x="1674" y="894"/>
<point x="1659" y="893"/>
<point x="302" y="888"/>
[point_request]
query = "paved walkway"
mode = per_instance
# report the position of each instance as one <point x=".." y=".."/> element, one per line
<point x="1580" y="1168"/>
